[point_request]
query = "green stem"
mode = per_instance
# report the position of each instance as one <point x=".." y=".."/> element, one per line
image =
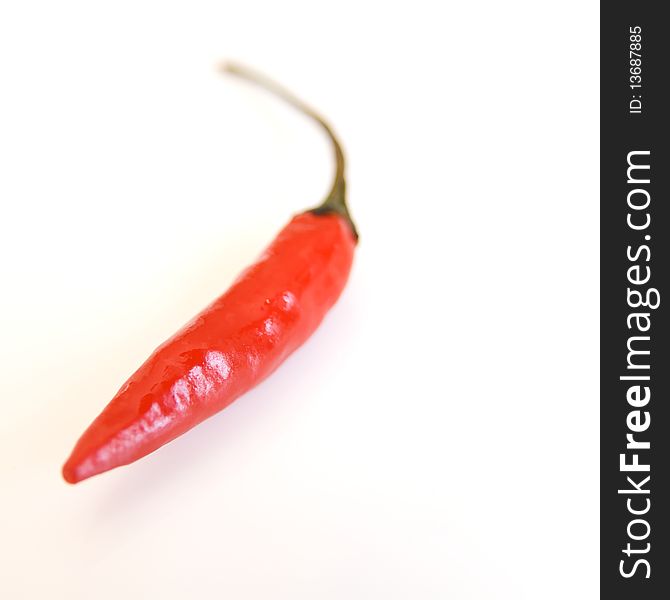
<point x="335" y="201"/>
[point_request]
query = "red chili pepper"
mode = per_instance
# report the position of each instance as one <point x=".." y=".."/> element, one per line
<point x="237" y="341"/>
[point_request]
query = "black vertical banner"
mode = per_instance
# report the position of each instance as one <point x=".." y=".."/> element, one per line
<point x="635" y="301"/>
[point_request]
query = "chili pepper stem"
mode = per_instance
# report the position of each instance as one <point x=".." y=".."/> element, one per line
<point x="335" y="201"/>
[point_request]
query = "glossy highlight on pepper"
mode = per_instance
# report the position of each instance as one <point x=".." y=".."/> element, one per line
<point x="238" y="340"/>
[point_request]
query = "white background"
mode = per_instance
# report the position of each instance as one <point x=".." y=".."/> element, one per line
<point x="438" y="436"/>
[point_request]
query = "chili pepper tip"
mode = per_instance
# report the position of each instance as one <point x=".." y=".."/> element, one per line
<point x="70" y="473"/>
